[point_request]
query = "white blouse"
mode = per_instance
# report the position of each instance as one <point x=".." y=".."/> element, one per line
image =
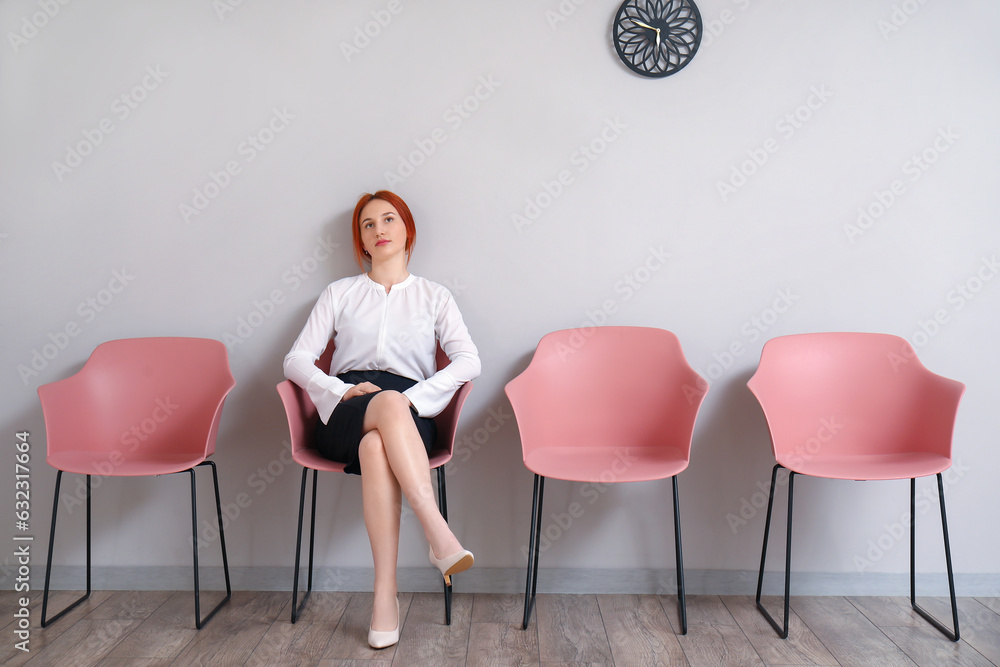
<point x="398" y="332"/>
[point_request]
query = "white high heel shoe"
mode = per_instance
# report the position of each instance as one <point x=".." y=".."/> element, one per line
<point x="384" y="638"/>
<point x="453" y="564"/>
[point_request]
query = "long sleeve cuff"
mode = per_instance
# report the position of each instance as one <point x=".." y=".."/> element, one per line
<point x="324" y="391"/>
<point x="431" y="397"/>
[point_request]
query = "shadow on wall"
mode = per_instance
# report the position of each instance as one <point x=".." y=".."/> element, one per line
<point x="731" y="459"/>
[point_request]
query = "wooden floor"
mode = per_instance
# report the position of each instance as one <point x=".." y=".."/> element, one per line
<point x="157" y="628"/>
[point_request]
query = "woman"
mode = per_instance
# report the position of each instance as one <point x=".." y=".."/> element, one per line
<point x="376" y="403"/>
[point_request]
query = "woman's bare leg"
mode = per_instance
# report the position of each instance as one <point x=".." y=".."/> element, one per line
<point x="388" y="413"/>
<point x="381" y="498"/>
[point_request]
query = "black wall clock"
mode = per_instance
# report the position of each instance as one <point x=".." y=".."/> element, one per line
<point x="657" y="38"/>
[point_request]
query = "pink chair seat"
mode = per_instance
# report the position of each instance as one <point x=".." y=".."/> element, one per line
<point x="603" y="464"/>
<point x="139" y="406"/>
<point x="87" y="463"/>
<point x="301" y="416"/>
<point x="859" y="405"/>
<point x="310" y="458"/>
<point x="872" y="466"/>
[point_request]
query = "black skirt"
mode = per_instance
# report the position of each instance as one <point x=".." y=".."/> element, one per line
<point x="339" y="439"/>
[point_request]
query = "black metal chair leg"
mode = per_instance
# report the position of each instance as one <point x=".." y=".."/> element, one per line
<point x="536" y="528"/>
<point x="198" y="620"/>
<point x="222" y="544"/>
<point x="48" y="564"/>
<point x="222" y="530"/>
<point x="297" y="609"/>
<point x="442" y="492"/>
<point x="953" y="636"/>
<point x="312" y="528"/>
<point x="767" y="535"/>
<point x="681" y="599"/>
<point x="443" y="505"/>
<point x="782" y="629"/>
<point x="194" y="545"/>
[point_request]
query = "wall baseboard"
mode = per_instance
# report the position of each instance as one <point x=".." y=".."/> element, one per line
<point x="509" y="580"/>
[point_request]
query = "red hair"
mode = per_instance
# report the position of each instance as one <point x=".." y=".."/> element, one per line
<point x="404" y="212"/>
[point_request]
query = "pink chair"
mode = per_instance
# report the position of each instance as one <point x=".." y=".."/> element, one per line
<point x="578" y="423"/>
<point x="855" y="406"/>
<point x="139" y="406"/>
<point x="302" y="416"/>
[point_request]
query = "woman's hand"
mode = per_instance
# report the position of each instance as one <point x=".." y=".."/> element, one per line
<point x="360" y="390"/>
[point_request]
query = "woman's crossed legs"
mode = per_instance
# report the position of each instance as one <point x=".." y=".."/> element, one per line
<point x="394" y="464"/>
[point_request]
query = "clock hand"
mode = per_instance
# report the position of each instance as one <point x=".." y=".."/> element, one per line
<point x="648" y="27"/>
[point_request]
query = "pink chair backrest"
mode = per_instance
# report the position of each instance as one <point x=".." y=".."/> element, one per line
<point x="300" y="413"/>
<point x="853" y="393"/>
<point x="607" y="386"/>
<point x="447" y="421"/>
<point x="142" y="398"/>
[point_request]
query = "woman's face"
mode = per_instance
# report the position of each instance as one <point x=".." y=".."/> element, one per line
<point x="383" y="233"/>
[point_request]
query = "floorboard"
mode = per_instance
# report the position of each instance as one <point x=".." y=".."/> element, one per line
<point x="156" y="629"/>
<point x="847" y="633"/>
<point x="802" y="646"/>
<point x="570" y="630"/>
<point x="639" y="632"/>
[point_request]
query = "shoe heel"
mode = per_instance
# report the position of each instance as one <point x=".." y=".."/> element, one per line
<point x="457" y="562"/>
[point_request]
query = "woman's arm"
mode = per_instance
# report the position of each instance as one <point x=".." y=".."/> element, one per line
<point x="432" y="395"/>
<point x="300" y="363"/>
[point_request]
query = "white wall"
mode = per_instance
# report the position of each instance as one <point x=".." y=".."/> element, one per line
<point x="874" y="85"/>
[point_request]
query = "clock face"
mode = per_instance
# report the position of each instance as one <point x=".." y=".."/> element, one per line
<point x="657" y="38"/>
